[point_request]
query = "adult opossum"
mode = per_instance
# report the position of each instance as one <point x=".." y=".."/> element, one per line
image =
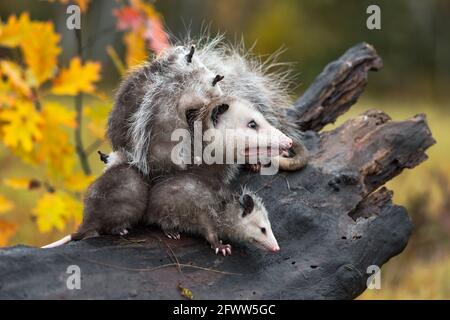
<point x="116" y="201"/>
<point x="187" y="202"/>
<point x="153" y="100"/>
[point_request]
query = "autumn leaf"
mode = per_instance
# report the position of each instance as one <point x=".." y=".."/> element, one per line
<point x="136" y="50"/>
<point x="40" y="50"/>
<point x="53" y="210"/>
<point x="185" y="292"/>
<point x="16" y="77"/>
<point x="56" y="149"/>
<point x="22" y="126"/>
<point x="5" y="204"/>
<point x="17" y="183"/>
<point x="77" y="78"/>
<point x="128" y="18"/>
<point x="78" y="182"/>
<point x="7" y="230"/>
<point x="156" y="35"/>
<point x="83" y="4"/>
<point x="12" y="33"/>
<point x="98" y="116"/>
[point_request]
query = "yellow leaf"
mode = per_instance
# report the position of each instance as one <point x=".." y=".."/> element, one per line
<point x="17" y="183"/>
<point x="136" y="50"/>
<point x="12" y="33"/>
<point x="16" y="77"/>
<point x="5" y="204"/>
<point x="98" y="116"/>
<point x="51" y="212"/>
<point x="78" y="182"/>
<point x="7" y="230"/>
<point x="185" y="292"/>
<point x="57" y="114"/>
<point x="77" y="78"/>
<point x="56" y="149"/>
<point x="54" y="210"/>
<point x="40" y="50"/>
<point x="22" y="126"/>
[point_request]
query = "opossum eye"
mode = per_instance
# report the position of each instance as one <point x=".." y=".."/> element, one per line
<point x="252" y="125"/>
<point x="263" y="230"/>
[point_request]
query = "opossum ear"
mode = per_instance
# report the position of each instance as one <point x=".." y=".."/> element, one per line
<point x="190" y="54"/>
<point x="247" y="204"/>
<point x="191" y="116"/>
<point x="217" y="78"/>
<point x="218" y="111"/>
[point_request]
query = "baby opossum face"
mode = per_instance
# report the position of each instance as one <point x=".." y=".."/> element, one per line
<point x="243" y="126"/>
<point x="255" y="223"/>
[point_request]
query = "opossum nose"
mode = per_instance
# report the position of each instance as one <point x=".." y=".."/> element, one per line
<point x="287" y="143"/>
<point x="275" y="248"/>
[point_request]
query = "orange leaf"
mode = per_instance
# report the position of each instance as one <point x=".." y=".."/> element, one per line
<point x="7" y="230"/>
<point x="136" y="51"/>
<point x="5" y="205"/>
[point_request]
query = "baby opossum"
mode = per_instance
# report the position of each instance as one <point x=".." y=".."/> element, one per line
<point x="187" y="202"/>
<point x="113" y="203"/>
<point x="152" y="102"/>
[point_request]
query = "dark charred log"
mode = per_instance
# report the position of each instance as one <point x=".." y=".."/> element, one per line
<point x="332" y="219"/>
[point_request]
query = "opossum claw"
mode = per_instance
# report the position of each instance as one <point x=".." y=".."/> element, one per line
<point x="172" y="235"/>
<point x="224" y="249"/>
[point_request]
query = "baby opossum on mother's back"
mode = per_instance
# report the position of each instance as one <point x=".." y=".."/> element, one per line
<point x="186" y="202"/>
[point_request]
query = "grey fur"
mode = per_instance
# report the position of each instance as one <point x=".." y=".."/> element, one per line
<point x="191" y="203"/>
<point x="149" y="104"/>
<point x="114" y="202"/>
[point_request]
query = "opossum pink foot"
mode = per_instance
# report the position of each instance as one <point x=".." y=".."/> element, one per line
<point x="224" y="249"/>
<point x="172" y="235"/>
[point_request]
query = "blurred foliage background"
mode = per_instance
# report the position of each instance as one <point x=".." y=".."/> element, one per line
<point x="57" y="86"/>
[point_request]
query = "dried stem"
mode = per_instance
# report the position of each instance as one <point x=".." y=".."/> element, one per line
<point x="79" y="117"/>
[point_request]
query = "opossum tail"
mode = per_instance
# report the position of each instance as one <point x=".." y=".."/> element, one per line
<point x="297" y="162"/>
<point x="58" y="243"/>
<point x="72" y="237"/>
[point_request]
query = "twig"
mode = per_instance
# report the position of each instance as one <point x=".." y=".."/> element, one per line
<point x="94" y="146"/>
<point x="157" y="268"/>
<point x="79" y="117"/>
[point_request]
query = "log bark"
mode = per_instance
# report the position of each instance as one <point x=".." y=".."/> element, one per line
<point x="333" y="219"/>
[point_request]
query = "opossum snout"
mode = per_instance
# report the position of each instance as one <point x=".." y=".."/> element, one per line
<point x="275" y="248"/>
<point x="286" y="143"/>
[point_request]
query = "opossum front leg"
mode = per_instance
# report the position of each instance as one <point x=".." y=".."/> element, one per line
<point x="217" y="244"/>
